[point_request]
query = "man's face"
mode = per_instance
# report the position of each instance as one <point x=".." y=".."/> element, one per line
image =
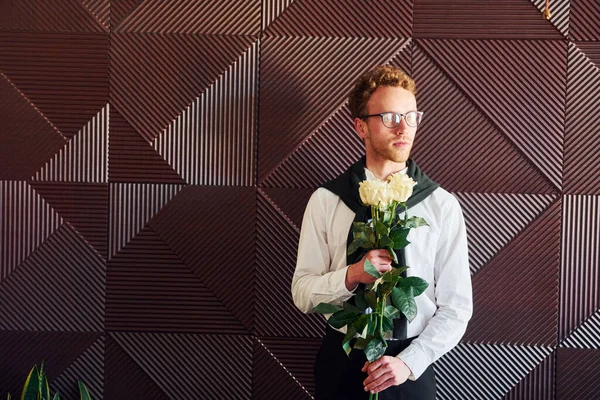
<point x="383" y="143"/>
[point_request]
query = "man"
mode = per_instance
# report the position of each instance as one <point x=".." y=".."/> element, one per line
<point x="384" y="110"/>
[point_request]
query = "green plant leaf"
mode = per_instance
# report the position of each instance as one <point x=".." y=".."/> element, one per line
<point x="371" y="299"/>
<point x="45" y="388"/>
<point x="399" y="237"/>
<point x="350" y="307"/>
<point x="381" y="229"/>
<point x="56" y="396"/>
<point x="359" y="299"/>
<point x="346" y="342"/>
<point x="376" y="348"/>
<point x="370" y="269"/>
<point x="372" y="325"/>
<point x="404" y="301"/>
<point x="360" y="324"/>
<point x="361" y="343"/>
<point x="32" y="385"/>
<point x="392" y="312"/>
<point x="416" y="222"/>
<point x="342" y="318"/>
<point x="393" y="255"/>
<point x="355" y="245"/>
<point x="359" y="226"/>
<point x="418" y="285"/>
<point x="83" y="391"/>
<point x="326" y="308"/>
<point x="386" y="241"/>
<point x="386" y="324"/>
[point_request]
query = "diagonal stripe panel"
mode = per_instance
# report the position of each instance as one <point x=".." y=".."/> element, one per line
<point x="132" y="206"/>
<point x="271" y="10"/>
<point x="493" y="220"/>
<point x="272" y="380"/>
<point x="26" y="220"/>
<point x="125" y="379"/>
<point x="119" y="9"/>
<point x="487" y="371"/>
<point x="84" y="158"/>
<point x="322" y="156"/>
<point x="100" y="9"/>
<point x="527" y="268"/>
<point x="150" y="289"/>
<point x="577" y="374"/>
<point x="229" y="17"/>
<point x="303" y="82"/>
<point x="353" y="18"/>
<point x="84" y="205"/>
<point x="28" y="139"/>
<point x="539" y="384"/>
<point x="155" y="77"/>
<point x="580" y="261"/>
<point x="209" y="150"/>
<point x="503" y="78"/>
<point x="473" y="19"/>
<point x="581" y="137"/>
<point x="47" y="15"/>
<point x="297" y="356"/>
<point x="585" y="20"/>
<point x="212" y="230"/>
<point x="201" y="359"/>
<point x="21" y="350"/>
<point x="455" y="128"/>
<point x="290" y="203"/>
<point x="559" y="10"/>
<point x="276" y="250"/>
<point x="587" y="336"/>
<point x="132" y="159"/>
<point x="60" y="287"/>
<point x="88" y="367"/>
<point x="64" y="74"/>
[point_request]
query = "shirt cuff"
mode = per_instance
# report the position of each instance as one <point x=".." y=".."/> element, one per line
<point x="338" y="278"/>
<point x="415" y="360"/>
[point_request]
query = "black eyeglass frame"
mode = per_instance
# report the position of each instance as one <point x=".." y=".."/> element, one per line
<point x="403" y="116"/>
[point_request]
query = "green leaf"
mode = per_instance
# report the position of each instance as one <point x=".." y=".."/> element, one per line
<point x="45" y="388"/>
<point x="342" y="318"/>
<point x="371" y="299"/>
<point x="376" y="348"/>
<point x="400" y="270"/>
<point x="359" y="300"/>
<point x="393" y="255"/>
<point x="386" y="241"/>
<point x="372" y="325"/>
<point x="361" y="324"/>
<point x="387" y="325"/>
<point x="366" y="245"/>
<point x="361" y="343"/>
<point x="83" y="391"/>
<point x="404" y="301"/>
<point x="381" y="229"/>
<point x="415" y="222"/>
<point x="351" y="307"/>
<point x="326" y="308"/>
<point x="398" y="236"/>
<point x="392" y="312"/>
<point x="56" y="396"/>
<point x="370" y="269"/>
<point x="418" y="285"/>
<point x="355" y="245"/>
<point x="359" y="226"/>
<point x="346" y="342"/>
<point x="32" y="383"/>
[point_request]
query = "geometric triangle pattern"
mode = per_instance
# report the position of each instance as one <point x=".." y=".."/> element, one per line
<point x="488" y="371"/>
<point x="193" y="358"/>
<point x="205" y="150"/>
<point x="156" y="159"/>
<point x="132" y="206"/>
<point x="85" y="157"/>
<point x="493" y="220"/>
<point x="26" y="220"/>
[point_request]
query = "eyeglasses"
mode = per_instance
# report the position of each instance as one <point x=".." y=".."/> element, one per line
<point x="392" y="119"/>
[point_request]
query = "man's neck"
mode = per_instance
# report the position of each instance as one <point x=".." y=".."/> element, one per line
<point x="383" y="168"/>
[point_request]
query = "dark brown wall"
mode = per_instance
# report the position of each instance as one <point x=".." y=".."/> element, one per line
<point x="156" y="158"/>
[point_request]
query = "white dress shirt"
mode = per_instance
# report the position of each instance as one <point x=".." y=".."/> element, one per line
<point x="437" y="253"/>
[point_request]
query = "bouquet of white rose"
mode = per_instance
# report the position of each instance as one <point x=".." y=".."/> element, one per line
<point x="375" y="306"/>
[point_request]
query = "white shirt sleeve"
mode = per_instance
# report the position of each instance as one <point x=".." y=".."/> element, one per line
<point x="315" y="279"/>
<point x="453" y="295"/>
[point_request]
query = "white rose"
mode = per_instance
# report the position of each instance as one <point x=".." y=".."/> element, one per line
<point x="375" y="192"/>
<point x="402" y="187"/>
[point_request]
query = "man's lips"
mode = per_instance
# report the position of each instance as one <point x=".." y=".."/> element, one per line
<point x="401" y="144"/>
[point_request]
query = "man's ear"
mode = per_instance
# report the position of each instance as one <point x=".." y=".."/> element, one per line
<point x="361" y="128"/>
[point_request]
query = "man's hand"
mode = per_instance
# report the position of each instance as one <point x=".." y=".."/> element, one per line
<point x="385" y="372"/>
<point x="356" y="272"/>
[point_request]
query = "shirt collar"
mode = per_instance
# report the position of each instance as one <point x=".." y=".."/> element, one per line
<point x="371" y="176"/>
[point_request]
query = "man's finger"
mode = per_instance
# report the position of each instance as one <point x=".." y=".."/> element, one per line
<point x="384" y="382"/>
